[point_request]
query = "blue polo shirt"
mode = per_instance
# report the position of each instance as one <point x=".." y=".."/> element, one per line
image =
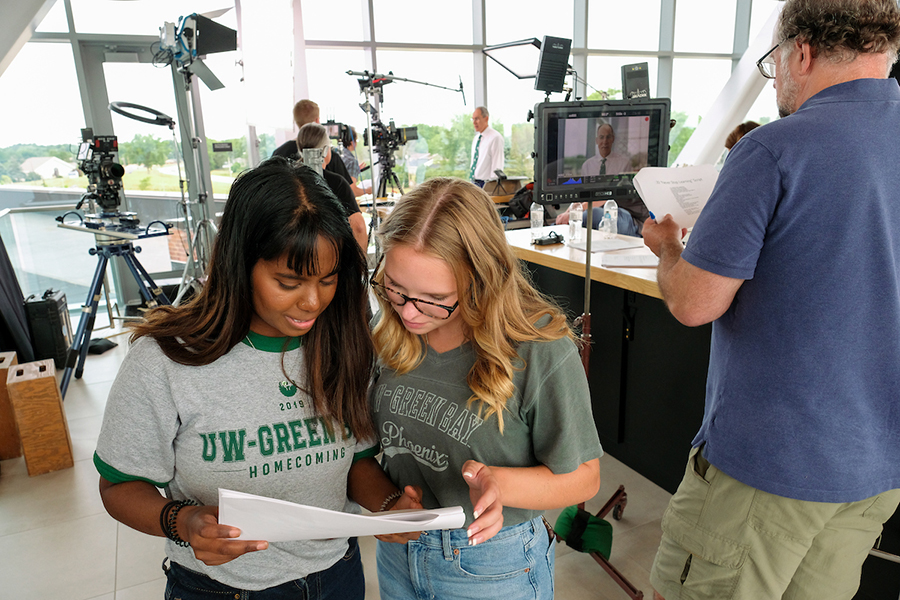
<point x="804" y="374"/>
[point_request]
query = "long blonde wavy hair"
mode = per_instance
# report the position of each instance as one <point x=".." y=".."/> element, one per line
<point x="456" y="221"/>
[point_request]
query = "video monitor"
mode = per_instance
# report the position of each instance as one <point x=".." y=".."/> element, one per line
<point x="591" y="150"/>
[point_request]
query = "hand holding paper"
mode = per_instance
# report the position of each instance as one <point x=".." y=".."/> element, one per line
<point x="261" y="518"/>
<point x="484" y="491"/>
<point x="681" y="192"/>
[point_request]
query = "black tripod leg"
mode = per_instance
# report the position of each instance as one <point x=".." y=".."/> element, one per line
<point x="397" y="182"/>
<point x="382" y="188"/>
<point x="78" y="351"/>
<point x="152" y="293"/>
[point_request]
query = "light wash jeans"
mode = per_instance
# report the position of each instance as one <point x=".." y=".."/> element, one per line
<point x="515" y="564"/>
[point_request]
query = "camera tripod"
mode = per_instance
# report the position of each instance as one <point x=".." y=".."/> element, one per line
<point x="387" y="176"/>
<point x="104" y="250"/>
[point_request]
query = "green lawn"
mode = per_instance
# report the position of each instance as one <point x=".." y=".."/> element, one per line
<point x="139" y="180"/>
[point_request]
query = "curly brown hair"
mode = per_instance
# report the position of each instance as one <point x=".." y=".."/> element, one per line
<point x="843" y="29"/>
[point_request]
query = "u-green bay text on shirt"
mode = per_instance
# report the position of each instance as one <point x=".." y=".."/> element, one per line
<point x="237" y="423"/>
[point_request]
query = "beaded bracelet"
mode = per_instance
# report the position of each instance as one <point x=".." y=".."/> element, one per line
<point x="387" y="500"/>
<point x="168" y="518"/>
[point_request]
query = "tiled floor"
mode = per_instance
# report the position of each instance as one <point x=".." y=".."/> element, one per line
<point x="57" y="542"/>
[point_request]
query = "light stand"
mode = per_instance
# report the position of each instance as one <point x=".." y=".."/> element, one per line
<point x="200" y="243"/>
<point x="181" y="46"/>
<point x="372" y="85"/>
<point x="199" y="181"/>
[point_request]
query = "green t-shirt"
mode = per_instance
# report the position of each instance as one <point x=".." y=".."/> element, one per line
<point x="427" y="432"/>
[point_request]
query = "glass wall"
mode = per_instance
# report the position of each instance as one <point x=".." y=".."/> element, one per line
<point x="632" y="25"/>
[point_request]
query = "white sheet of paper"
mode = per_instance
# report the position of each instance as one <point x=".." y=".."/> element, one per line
<point x="629" y="260"/>
<point x="599" y="244"/>
<point x="680" y="191"/>
<point x="261" y="518"/>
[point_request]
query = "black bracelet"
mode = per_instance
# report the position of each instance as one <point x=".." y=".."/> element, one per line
<point x="168" y="517"/>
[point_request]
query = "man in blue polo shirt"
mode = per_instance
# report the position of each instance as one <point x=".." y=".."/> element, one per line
<point x="796" y="260"/>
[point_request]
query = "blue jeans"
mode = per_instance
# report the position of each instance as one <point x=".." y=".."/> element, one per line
<point x="342" y="580"/>
<point x="515" y="564"/>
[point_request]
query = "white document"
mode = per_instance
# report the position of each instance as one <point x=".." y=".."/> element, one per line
<point x="681" y="191"/>
<point x="261" y="518"/>
<point x="629" y="260"/>
<point x="598" y="244"/>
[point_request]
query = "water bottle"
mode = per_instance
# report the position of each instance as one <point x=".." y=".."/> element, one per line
<point x="575" y="214"/>
<point x="537" y="220"/>
<point x="609" y="226"/>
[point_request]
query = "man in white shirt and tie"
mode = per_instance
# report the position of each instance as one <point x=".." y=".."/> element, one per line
<point x="606" y="162"/>
<point x="487" y="149"/>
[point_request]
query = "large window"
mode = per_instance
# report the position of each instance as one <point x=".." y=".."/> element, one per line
<point x="41" y="83"/>
<point x="632" y="25"/>
<point x="440" y="112"/>
<point x="703" y="26"/>
<point x="510" y="20"/>
<point x="605" y="73"/>
<point x="696" y="84"/>
<point x="411" y="21"/>
<point x="263" y="78"/>
<point x="334" y="20"/>
<point x="142" y="18"/>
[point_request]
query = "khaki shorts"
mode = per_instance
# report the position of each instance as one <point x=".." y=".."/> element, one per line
<point x="723" y="539"/>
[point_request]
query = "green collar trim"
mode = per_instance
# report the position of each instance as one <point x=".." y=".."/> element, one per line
<point x="265" y="343"/>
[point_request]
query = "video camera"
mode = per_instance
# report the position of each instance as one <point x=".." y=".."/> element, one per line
<point x="104" y="174"/>
<point x="338" y="131"/>
<point x="389" y="138"/>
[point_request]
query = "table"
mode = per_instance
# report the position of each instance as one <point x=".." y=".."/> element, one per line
<point x="647" y="371"/>
<point x="647" y="374"/>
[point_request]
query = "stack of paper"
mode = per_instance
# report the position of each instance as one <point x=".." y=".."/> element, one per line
<point x="598" y="244"/>
<point x="681" y="191"/>
<point x="629" y="260"/>
<point x="261" y="518"/>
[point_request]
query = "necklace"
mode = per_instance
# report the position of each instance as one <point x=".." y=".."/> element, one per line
<point x="249" y="341"/>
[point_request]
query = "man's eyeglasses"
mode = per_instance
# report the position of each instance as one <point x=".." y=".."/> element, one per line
<point x="429" y="309"/>
<point x="766" y="64"/>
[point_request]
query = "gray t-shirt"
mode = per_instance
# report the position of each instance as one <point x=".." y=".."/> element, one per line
<point x="237" y="424"/>
<point x="427" y="432"/>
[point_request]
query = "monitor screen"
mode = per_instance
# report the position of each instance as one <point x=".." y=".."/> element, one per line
<point x="591" y="150"/>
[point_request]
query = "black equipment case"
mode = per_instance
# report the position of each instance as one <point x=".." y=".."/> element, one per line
<point x="51" y="329"/>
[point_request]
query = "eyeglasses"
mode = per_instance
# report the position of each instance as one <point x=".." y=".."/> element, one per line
<point x="429" y="309"/>
<point x="766" y="64"/>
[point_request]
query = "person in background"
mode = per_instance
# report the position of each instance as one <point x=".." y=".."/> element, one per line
<point x="313" y="135"/>
<point x="738" y="132"/>
<point x="348" y="156"/>
<point x="605" y="161"/>
<point x="480" y="400"/>
<point x="307" y="111"/>
<point x="246" y="387"/>
<point x="487" y="149"/>
<point x="794" y="469"/>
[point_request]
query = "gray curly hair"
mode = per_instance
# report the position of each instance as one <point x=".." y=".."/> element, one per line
<point x="843" y="29"/>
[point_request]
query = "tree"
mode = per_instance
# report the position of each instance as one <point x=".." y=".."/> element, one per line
<point x="610" y="93"/>
<point x="266" y="144"/>
<point x="145" y="150"/>
<point x="217" y="160"/>
<point x="679" y="135"/>
<point x="519" y="160"/>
